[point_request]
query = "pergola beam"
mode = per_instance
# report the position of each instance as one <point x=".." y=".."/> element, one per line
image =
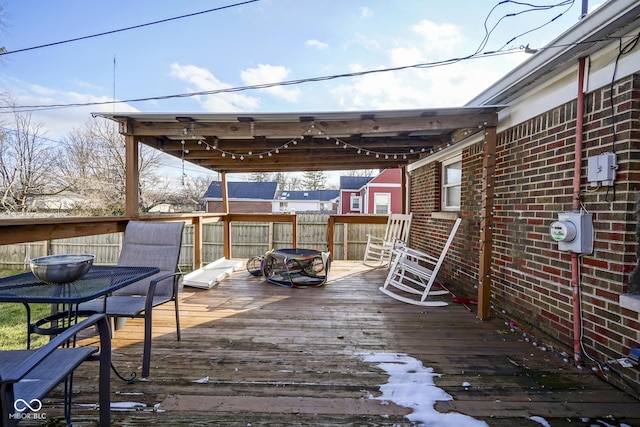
<point x="334" y="128"/>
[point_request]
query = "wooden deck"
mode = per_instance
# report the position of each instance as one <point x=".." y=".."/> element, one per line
<point x="257" y="354"/>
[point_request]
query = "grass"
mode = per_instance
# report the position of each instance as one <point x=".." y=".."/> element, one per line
<point x="13" y="322"/>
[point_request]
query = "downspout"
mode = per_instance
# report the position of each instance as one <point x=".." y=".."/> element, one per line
<point x="577" y="173"/>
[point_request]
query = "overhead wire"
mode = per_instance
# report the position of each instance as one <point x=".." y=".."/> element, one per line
<point x="532" y="8"/>
<point x="133" y="27"/>
<point x="29" y="108"/>
<point x="475" y="55"/>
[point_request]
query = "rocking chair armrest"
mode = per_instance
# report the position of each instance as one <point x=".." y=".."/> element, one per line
<point x="399" y="243"/>
<point x="417" y="255"/>
<point x="375" y="239"/>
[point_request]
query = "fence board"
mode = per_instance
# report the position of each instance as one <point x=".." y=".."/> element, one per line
<point x="248" y="239"/>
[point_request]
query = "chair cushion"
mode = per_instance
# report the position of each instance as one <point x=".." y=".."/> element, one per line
<point x="151" y="244"/>
<point x="122" y="306"/>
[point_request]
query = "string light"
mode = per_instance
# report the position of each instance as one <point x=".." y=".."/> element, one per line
<point x="312" y="130"/>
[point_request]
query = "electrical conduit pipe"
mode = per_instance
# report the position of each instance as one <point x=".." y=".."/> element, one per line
<point x="577" y="173"/>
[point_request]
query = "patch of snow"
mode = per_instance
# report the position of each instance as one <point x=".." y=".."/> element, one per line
<point x="411" y="385"/>
<point x="541" y="421"/>
<point x="126" y="406"/>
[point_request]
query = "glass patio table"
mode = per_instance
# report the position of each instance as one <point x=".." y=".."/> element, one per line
<point x="99" y="281"/>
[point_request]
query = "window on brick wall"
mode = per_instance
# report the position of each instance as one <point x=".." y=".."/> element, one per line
<point x="451" y="183"/>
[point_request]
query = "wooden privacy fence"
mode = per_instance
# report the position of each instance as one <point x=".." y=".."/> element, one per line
<point x="247" y="239"/>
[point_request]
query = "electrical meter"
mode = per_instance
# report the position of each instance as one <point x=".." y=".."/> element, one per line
<point x="574" y="232"/>
<point x="563" y="231"/>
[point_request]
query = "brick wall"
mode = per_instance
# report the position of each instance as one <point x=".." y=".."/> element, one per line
<point x="533" y="182"/>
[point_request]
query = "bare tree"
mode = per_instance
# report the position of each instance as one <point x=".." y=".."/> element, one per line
<point x="94" y="167"/>
<point x="192" y="192"/>
<point x="363" y="172"/>
<point x="26" y="165"/>
<point x="260" y="177"/>
<point x="314" y="180"/>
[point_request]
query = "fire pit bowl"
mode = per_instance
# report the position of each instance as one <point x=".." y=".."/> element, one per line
<point x="61" y="268"/>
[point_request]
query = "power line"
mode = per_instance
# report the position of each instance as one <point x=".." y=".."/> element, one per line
<point x="475" y="55"/>
<point x="189" y="15"/>
<point x="29" y="108"/>
<point x="531" y="8"/>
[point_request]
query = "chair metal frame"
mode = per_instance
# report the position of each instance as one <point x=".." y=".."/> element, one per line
<point x="131" y="301"/>
<point x="26" y="376"/>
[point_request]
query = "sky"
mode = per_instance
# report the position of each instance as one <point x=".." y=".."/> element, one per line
<point x="240" y="43"/>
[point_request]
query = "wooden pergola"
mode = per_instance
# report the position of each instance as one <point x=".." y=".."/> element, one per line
<point x="287" y="142"/>
<point x="320" y="141"/>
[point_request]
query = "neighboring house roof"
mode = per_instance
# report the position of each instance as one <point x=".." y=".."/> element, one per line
<point x="243" y="190"/>
<point x="354" y="182"/>
<point x="317" y="195"/>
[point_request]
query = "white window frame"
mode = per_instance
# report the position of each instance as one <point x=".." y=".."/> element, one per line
<point x="387" y="205"/>
<point x="446" y="204"/>
<point x="352" y="200"/>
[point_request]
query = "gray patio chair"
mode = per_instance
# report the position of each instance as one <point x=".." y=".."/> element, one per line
<point x="26" y="376"/>
<point x="146" y="244"/>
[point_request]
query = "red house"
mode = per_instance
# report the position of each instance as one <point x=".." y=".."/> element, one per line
<point x="381" y="194"/>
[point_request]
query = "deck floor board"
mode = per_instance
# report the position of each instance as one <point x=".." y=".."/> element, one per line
<point x="277" y="356"/>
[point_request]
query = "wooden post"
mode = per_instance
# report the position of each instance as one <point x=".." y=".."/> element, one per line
<point x="486" y="223"/>
<point x="197" y="242"/>
<point x="225" y="192"/>
<point x="331" y="223"/>
<point x="227" y="218"/>
<point x="404" y="190"/>
<point x="294" y="235"/>
<point x="132" y="177"/>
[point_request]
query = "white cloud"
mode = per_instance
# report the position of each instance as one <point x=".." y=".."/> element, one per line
<point x="406" y="56"/>
<point x="271" y="74"/>
<point x="378" y="91"/>
<point x="365" y="12"/>
<point x="204" y="80"/>
<point x="446" y="86"/>
<point x="438" y="37"/>
<point x="58" y="122"/>
<point x="316" y="44"/>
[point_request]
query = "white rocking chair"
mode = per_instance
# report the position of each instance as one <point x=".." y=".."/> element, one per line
<point x="378" y="250"/>
<point x="409" y="274"/>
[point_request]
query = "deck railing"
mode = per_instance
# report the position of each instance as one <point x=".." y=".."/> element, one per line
<point x="26" y="230"/>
